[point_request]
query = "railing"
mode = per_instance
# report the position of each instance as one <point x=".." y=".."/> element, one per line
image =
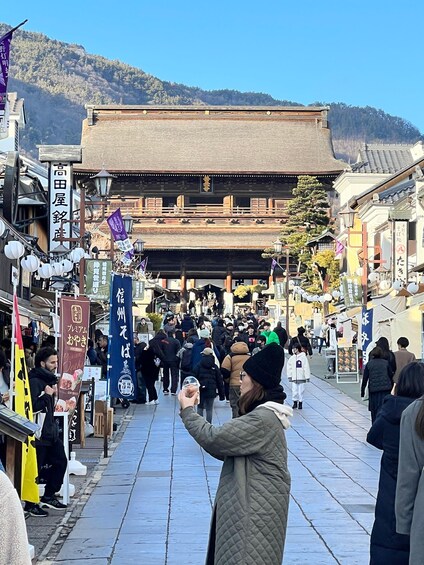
<point x="199" y="210"/>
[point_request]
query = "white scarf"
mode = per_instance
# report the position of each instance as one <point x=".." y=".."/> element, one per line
<point x="282" y="412"/>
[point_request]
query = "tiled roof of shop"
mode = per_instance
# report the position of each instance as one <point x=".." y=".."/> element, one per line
<point x="383" y="158"/>
<point x="198" y="140"/>
<point x="397" y="192"/>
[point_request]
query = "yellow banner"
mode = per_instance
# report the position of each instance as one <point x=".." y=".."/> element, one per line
<point x="23" y="406"/>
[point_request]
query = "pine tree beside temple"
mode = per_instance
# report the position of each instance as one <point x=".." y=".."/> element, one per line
<point x="307" y="215"/>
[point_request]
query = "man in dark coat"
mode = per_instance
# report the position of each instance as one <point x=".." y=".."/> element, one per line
<point x="282" y="334"/>
<point x="141" y="385"/>
<point x="171" y="347"/>
<point x="210" y="379"/>
<point x="50" y="450"/>
<point x="301" y="339"/>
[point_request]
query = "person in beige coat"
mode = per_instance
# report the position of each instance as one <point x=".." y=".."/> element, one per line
<point x="249" y="519"/>
<point x="13" y="534"/>
<point x="230" y="370"/>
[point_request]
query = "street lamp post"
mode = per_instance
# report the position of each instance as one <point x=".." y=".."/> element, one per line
<point x="278" y="248"/>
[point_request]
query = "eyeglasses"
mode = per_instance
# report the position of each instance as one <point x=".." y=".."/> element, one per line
<point x="242" y="374"/>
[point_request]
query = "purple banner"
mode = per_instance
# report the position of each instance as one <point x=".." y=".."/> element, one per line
<point x="116" y="225"/>
<point x="4" y="66"/>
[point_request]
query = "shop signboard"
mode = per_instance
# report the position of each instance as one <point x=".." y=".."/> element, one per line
<point x="98" y="277"/>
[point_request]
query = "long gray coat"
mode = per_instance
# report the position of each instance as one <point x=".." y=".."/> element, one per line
<point x="250" y="514"/>
<point x="409" y="505"/>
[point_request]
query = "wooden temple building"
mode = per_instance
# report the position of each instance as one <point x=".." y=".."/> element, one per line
<point x="207" y="186"/>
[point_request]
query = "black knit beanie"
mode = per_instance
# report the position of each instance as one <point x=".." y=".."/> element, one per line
<point x="265" y="367"/>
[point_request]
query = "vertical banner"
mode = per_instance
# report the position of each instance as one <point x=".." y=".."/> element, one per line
<point x="138" y="291"/>
<point x="366" y="333"/>
<point x="121" y="370"/>
<point x="352" y="291"/>
<point x="60" y="203"/>
<point x="119" y="233"/>
<point x="4" y="75"/>
<point x="23" y="406"/>
<point x="74" y="324"/>
<point x="98" y="277"/>
<point x="400" y="251"/>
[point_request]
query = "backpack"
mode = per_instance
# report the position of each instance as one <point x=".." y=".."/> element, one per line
<point x="186" y="359"/>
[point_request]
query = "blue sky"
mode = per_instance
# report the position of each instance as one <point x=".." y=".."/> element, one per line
<point x="361" y="53"/>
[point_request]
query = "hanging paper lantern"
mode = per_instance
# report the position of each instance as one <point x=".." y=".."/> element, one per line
<point x="58" y="269"/>
<point x="321" y="299"/>
<point x="412" y="288"/>
<point x="384" y="285"/>
<point x="77" y="254"/>
<point x="14" y="250"/>
<point x="397" y="285"/>
<point x="328" y="297"/>
<point x="315" y="298"/>
<point x="373" y="277"/>
<point x="336" y="294"/>
<point x="30" y="263"/>
<point x="67" y="265"/>
<point x="45" y="271"/>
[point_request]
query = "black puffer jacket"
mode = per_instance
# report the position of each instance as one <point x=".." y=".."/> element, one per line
<point x="209" y="377"/>
<point x="378" y="375"/>
<point x="44" y="403"/>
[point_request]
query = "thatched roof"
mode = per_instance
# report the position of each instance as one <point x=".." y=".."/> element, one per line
<point x="202" y="139"/>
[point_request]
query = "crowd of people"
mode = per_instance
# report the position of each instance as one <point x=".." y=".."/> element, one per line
<point x="240" y="361"/>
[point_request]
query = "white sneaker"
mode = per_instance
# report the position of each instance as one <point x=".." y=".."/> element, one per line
<point x="155" y="401"/>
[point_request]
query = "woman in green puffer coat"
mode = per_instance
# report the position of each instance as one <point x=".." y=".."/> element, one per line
<point x="251" y="507"/>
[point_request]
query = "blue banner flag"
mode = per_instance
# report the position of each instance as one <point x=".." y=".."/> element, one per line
<point x="366" y="333"/>
<point x="121" y="368"/>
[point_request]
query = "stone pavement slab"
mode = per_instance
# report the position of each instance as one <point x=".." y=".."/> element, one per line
<point x="153" y="503"/>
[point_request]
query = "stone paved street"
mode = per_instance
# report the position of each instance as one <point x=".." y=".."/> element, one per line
<point x="152" y="504"/>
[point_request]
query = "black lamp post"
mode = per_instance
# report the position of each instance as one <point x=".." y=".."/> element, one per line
<point x="278" y="248"/>
<point x="139" y="246"/>
<point x="103" y="181"/>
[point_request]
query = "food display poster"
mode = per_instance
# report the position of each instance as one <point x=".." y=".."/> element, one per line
<point x="74" y="325"/>
<point x="347" y="360"/>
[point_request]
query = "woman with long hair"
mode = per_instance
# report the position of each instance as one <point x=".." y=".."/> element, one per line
<point x="250" y="513"/>
<point x="409" y="504"/>
<point x="383" y="344"/>
<point x="378" y="375"/>
<point x="386" y="545"/>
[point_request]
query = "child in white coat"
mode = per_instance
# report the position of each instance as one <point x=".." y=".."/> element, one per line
<point x="298" y="373"/>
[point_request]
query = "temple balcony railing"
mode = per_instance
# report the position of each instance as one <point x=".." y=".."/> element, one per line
<point x="200" y="214"/>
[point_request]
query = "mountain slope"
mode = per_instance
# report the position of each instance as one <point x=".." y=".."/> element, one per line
<point x="57" y="79"/>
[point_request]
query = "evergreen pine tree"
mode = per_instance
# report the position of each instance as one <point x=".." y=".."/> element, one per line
<point x="307" y="215"/>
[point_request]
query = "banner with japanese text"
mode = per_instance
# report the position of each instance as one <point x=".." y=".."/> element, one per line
<point x="400" y="250"/>
<point x="366" y="340"/>
<point x="352" y="291"/>
<point x="60" y="203"/>
<point x="74" y="326"/>
<point x="98" y="278"/>
<point x="138" y="291"/>
<point x="5" y="41"/>
<point x="121" y="369"/>
<point x="119" y="233"/>
<point x="23" y="406"/>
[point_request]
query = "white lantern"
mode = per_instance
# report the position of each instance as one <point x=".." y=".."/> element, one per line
<point x="45" y="271"/>
<point x="57" y="269"/>
<point x="336" y="294"/>
<point x="30" y="263"/>
<point x="309" y="298"/>
<point x="321" y="299"/>
<point x="315" y="298"/>
<point x="67" y="265"/>
<point x="397" y="285"/>
<point x="412" y="288"/>
<point x="373" y="277"/>
<point x="328" y="297"/>
<point x="384" y="285"/>
<point x="2" y="227"/>
<point x="14" y="250"/>
<point x="77" y="254"/>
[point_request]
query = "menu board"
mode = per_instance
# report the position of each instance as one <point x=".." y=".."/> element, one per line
<point x="347" y="360"/>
